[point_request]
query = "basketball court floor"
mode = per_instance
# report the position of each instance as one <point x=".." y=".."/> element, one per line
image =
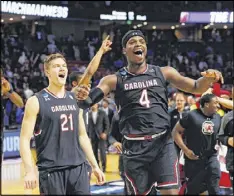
<point x="12" y="179"/>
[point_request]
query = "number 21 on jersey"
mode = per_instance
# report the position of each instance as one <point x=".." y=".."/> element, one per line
<point x="144" y="100"/>
<point x="66" y="122"/>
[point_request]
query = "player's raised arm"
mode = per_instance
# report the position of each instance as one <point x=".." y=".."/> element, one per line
<point x="94" y="64"/>
<point x="105" y="86"/>
<point x="28" y="124"/>
<point x="87" y="148"/>
<point x="186" y="84"/>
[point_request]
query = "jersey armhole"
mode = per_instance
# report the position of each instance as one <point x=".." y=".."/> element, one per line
<point x="40" y="115"/>
<point x="117" y="88"/>
<point x="165" y="83"/>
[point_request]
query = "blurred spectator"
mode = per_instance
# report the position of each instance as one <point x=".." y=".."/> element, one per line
<point x="91" y="50"/>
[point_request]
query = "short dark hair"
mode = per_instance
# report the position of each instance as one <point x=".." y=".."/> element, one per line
<point x="206" y="99"/>
<point x="105" y="100"/>
<point x="75" y="76"/>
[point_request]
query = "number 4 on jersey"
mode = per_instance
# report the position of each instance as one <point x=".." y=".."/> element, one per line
<point x="144" y="100"/>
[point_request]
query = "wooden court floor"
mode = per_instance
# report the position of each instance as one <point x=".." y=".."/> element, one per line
<point x="13" y="175"/>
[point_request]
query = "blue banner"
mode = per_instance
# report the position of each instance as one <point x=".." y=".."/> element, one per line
<point x="11" y="144"/>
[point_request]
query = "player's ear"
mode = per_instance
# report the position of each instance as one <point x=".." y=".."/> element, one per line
<point x="47" y="72"/>
<point x="74" y="83"/>
<point x="124" y="51"/>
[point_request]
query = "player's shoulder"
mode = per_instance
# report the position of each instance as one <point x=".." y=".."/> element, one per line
<point x="40" y="93"/>
<point x="217" y="116"/>
<point x="33" y="103"/>
<point x="194" y="113"/>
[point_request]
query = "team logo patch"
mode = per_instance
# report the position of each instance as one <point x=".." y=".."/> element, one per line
<point x="46" y="96"/>
<point x="208" y="128"/>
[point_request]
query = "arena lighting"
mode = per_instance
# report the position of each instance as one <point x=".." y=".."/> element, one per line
<point x="182" y="23"/>
<point x="177" y="26"/>
<point x="206" y="17"/>
<point x="139" y="25"/>
<point x="10" y="18"/>
<point x="225" y="27"/>
<point x="2" y="20"/>
<point x="116" y="15"/>
<point x="172" y="27"/>
<point x="145" y="23"/>
<point x="23" y="17"/>
<point x="154" y="27"/>
<point x="134" y="27"/>
<point x="34" y="9"/>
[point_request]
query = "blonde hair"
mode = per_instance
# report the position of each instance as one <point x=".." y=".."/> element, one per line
<point x="50" y="58"/>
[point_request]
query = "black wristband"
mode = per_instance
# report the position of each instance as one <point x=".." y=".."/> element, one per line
<point x="95" y="96"/>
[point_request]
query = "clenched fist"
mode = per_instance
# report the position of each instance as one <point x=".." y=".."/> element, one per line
<point x="213" y="75"/>
<point x="81" y="92"/>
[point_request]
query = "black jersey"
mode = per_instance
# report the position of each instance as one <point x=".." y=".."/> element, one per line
<point x="201" y="131"/>
<point x="56" y="139"/>
<point x="143" y="101"/>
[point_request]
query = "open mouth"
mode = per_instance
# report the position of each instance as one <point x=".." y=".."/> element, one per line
<point x="138" y="52"/>
<point x="61" y="75"/>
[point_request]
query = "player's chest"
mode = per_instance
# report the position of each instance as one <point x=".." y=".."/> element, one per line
<point x="206" y="126"/>
<point x="57" y="108"/>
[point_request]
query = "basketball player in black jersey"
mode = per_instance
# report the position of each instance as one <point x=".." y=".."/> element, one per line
<point x="62" y="143"/>
<point x="149" y="154"/>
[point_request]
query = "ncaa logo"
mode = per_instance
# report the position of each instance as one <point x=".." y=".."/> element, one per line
<point x="208" y="128"/>
<point x="46" y="97"/>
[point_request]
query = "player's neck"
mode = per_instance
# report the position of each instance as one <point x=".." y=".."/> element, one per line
<point x="205" y="112"/>
<point x="58" y="91"/>
<point x="137" y="69"/>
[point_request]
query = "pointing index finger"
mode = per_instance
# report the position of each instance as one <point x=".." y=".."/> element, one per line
<point x="107" y="37"/>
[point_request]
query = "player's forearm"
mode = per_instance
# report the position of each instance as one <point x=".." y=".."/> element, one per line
<point x="16" y="99"/>
<point x="226" y="103"/>
<point x="202" y="84"/>
<point x="92" y="67"/>
<point x="87" y="148"/>
<point x="25" y="154"/>
<point x="178" y="140"/>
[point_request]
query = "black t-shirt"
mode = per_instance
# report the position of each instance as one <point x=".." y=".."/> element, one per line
<point x="201" y="131"/>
